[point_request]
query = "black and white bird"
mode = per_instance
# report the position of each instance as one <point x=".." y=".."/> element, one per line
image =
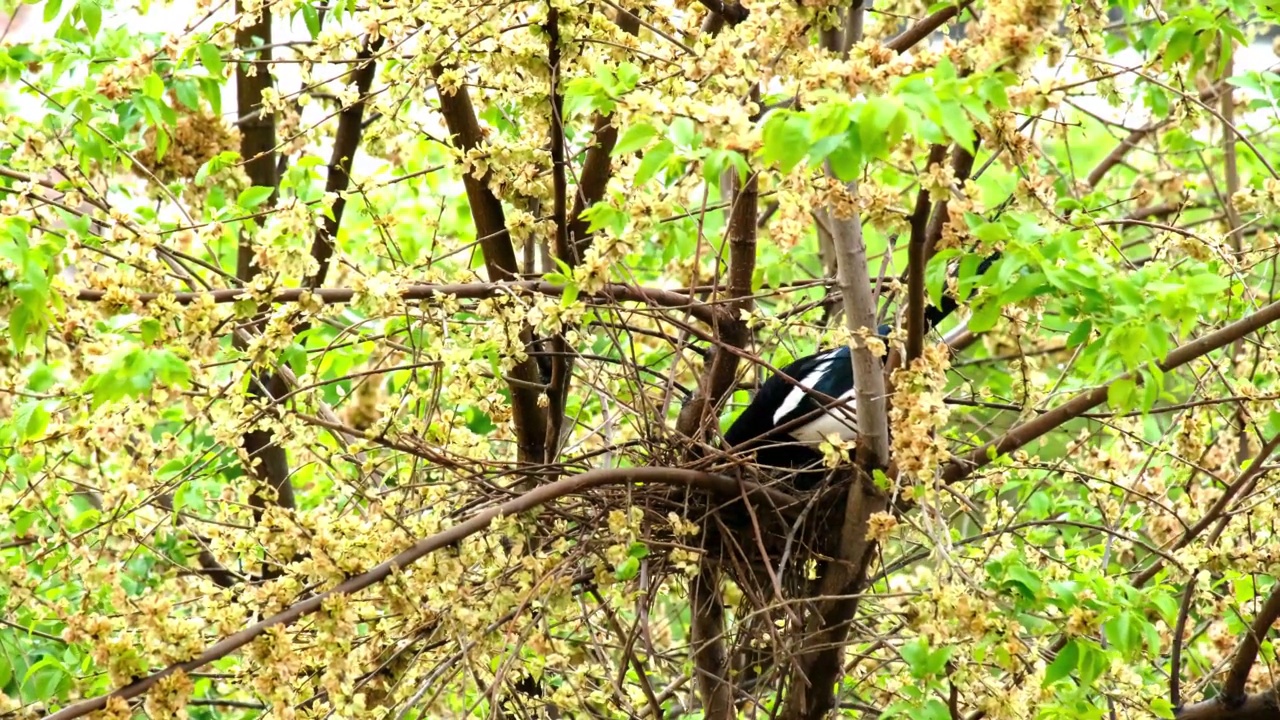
<point x="789" y="417"/>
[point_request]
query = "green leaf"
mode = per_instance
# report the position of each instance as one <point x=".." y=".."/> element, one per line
<point x="91" y="14"/>
<point x="985" y="317"/>
<point x="252" y="197"/>
<point x="846" y="160"/>
<point x="1124" y="632"/>
<point x="52" y="9"/>
<point x="1063" y="665"/>
<point x="41" y="378"/>
<point x="1161" y="707"/>
<point x="627" y="569"/>
<point x="683" y="132"/>
<point x="1093" y="661"/>
<point x="931" y="709"/>
<point x="880" y="126"/>
<point x="295" y="356"/>
<point x="785" y="139"/>
<point x="956" y="122"/>
<point x="923" y="660"/>
<point x="1120" y="393"/>
<point x="311" y="18"/>
<point x="1208" y="284"/>
<point x="216" y="164"/>
<point x="153" y="86"/>
<point x="1081" y="334"/>
<point x="570" y="295"/>
<point x="628" y="75"/>
<point x="211" y="58"/>
<point x="655" y="158"/>
<point x="149" y="329"/>
<point x="636" y="137"/>
<point x="31" y="419"/>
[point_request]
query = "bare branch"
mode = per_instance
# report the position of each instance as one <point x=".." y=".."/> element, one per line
<point x="717" y="379"/>
<point x="500" y="260"/>
<point x="854" y="281"/>
<point x="706" y="634"/>
<point x="720" y="372"/>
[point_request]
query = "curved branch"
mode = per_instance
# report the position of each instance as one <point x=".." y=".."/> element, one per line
<point x="1259" y="706"/>
<point x="718" y="484"/>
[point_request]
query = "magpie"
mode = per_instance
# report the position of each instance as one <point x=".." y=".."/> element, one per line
<point x="772" y="425"/>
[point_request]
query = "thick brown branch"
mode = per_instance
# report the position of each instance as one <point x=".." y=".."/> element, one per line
<point x="717" y="379"/>
<point x="572" y="237"/>
<point x="765" y="498"/>
<point x="1259" y="706"/>
<point x="854" y="281"/>
<point x="486" y="210"/>
<point x="267" y="460"/>
<point x="916" y="261"/>
<point x="730" y="12"/>
<point x="1233" y="694"/>
<point x="345" y="143"/>
<point x="813" y="678"/>
<point x="921" y="30"/>
<point x="1024" y="433"/>
<point x="656" y="297"/>
<point x="565" y="248"/>
<point x="720" y="373"/>
<point x="500" y="260"/>
<point x="706" y="635"/>
<point x="257" y="127"/>
<point x="812" y="685"/>
<point x="597" y="167"/>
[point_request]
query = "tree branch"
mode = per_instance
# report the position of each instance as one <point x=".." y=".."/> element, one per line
<point x="812" y="684"/>
<point x="614" y="292"/>
<point x="565" y="248"/>
<point x="922" y="29"/>
<point x="916" y="261"/>
<point x="500" y="261"/>
<point x="1233" y="694"/>
<point x="764" y="497"/>
<point x="1020" y="435"/>
<point x="855" y="292"/>
<point x="718" y="377"/>
<point x="267" y="460"/>
<point x="345" y="143"/>
<point x="1259" y="706"/>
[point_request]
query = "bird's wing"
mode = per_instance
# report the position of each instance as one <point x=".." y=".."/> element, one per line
<point x="779" y="401"/>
